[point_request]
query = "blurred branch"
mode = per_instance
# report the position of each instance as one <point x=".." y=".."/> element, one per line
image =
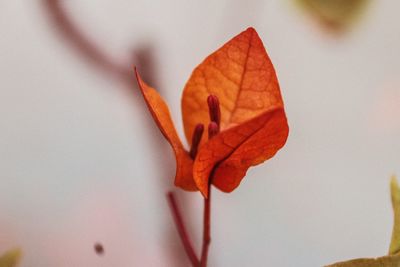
<point x="142" y="57"/>
<point x="87" y="48"/>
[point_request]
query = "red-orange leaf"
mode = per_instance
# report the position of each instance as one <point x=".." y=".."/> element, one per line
<point x="241" y="75"/>
<point x="232" y="152"/>
<point x="160" y="112"/>
<point x="262" y="145"/>
<point x="253" y="122"/>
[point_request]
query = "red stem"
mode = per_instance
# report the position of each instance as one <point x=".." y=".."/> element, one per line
<point x="206" y="229"/>
<point x="182" y="230"/>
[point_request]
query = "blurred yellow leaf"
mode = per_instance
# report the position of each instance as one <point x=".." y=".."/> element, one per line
<point x="11" y="258"/>
<point x="393" y="260"/>
<point x="387" y="261"/>
<point x="395" y="191"/>
<point x="336" y="14"/>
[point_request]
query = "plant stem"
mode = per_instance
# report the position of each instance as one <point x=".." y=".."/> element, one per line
<point x="187" y="244"/>
<point x="206" y="229"/>
<point x="88" y="49"/>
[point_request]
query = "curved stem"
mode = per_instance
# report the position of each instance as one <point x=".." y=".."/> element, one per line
<point x="76" y="37"/>
<point x="206" y="229"/>
<point x="187" y="244"/>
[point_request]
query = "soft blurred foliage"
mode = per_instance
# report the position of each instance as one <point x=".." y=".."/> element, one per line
<point x="393" y="259"/>
<point x="11" y="258"/>
<point x="395" y="191"/>
<point x="334" y="14"/>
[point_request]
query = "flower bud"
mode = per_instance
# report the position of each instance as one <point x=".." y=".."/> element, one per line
<point x="213" y="129"/>
<point x="196" y="138"/>
<point x="213" y="109"/>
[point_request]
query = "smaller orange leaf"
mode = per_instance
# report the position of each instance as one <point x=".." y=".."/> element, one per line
<point x="160" y="112"/>
<point x="262" y="145"/>
<point x="247" y="144"/>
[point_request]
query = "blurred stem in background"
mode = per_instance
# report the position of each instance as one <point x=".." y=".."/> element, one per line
<point x="93" y="53"/>
<point x="87" y="48"/>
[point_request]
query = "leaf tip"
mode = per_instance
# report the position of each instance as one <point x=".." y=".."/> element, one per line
<point x="250" y="29"/>
<point x="394" y="186"/>
<point x="202" y="186"/>
<point x="141" y="84"/>
<point x="138" y="79"/>
<point x="204" y="193"/>
<point x="393" y="179"/>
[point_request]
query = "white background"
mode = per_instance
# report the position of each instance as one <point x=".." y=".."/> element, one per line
<point x="81" y="160"/>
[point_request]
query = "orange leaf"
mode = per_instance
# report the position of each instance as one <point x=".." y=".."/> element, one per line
<point x="262" y="145"/>
<point x="160" y="112"/>
<point x="232" y="152"/>
<point x="253" y="122"/>
<point x="241" y="75"/>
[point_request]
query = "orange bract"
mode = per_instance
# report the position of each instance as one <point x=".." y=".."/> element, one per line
<point x="253" y="122"/>
<point x="160" y="112"/>
<point x="233" y="151"/>
<point x="241" y="75"/>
